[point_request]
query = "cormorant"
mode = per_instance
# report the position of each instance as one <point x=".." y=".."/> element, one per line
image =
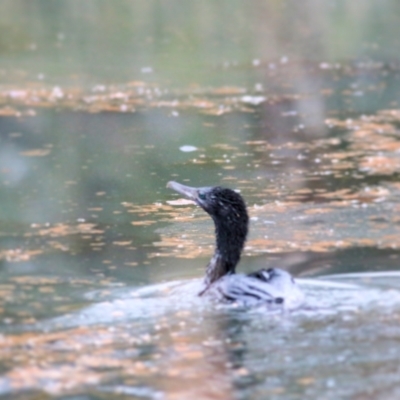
<point x="228" y="211"/>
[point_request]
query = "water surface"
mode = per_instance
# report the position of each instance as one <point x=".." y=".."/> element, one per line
<point x="101" y="105"/>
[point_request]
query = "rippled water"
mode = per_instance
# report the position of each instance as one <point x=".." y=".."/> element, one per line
<point x="162" y="341"/>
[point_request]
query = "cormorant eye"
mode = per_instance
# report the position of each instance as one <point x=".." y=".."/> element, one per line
<point x="202" y="196"/>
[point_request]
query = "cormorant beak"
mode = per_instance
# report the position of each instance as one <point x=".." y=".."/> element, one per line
<point x="190" y="192"/>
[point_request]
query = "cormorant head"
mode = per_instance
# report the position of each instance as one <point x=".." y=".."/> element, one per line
<point x="221" y="203"/>
<point x="226" y="207"/>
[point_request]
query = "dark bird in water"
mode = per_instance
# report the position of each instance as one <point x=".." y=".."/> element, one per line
<point x="228" y="211"/>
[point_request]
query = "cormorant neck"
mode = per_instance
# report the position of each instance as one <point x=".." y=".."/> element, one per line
<point x="230" y="237"/>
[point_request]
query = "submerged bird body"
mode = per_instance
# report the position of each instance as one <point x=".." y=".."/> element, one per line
<point x="228" y="211"/>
